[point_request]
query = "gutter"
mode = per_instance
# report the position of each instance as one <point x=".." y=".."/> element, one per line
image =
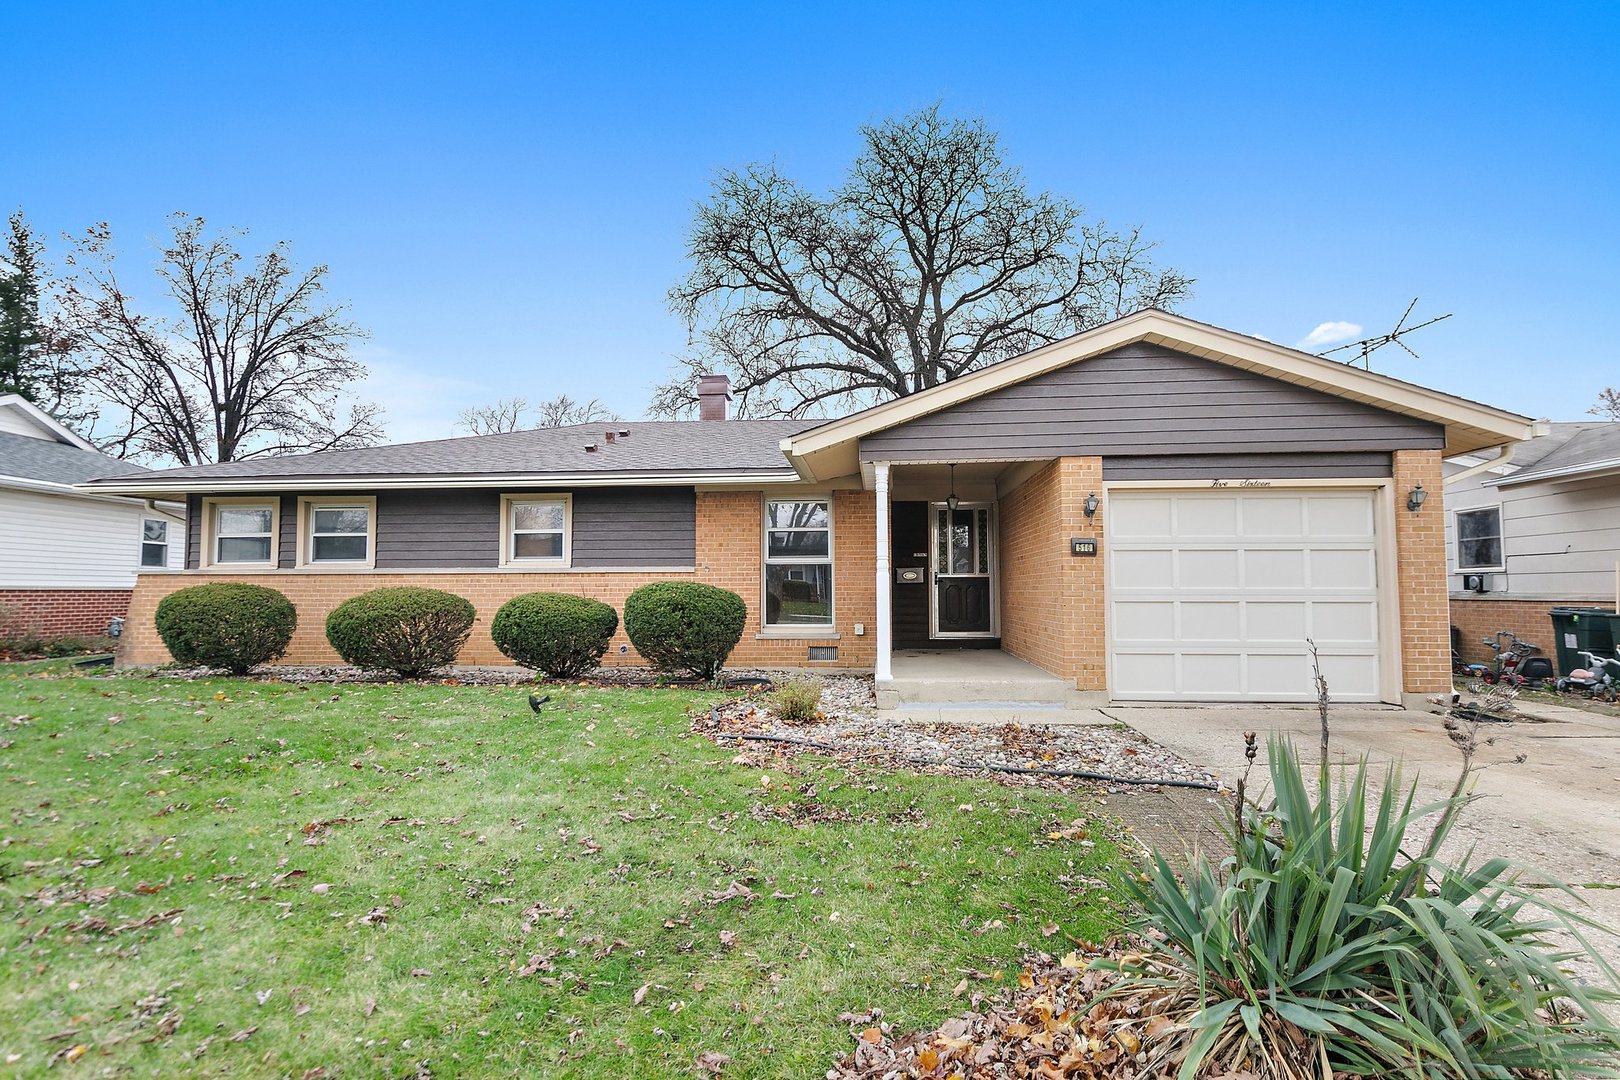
<point x="1503" y="458"/>
<point x="68" y="491"/>
<point x="1568" y="471"/>
<point x="209" y="484"/>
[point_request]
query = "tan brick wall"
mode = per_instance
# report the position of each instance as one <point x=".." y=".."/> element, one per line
<point x="1420" y="556"/>
<point x="1481" y="617"/>
<point x="1051" y="601"/>
<point x="729" y="546"/>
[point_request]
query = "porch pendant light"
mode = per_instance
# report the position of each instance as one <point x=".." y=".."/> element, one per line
<point x="951" y="500"/>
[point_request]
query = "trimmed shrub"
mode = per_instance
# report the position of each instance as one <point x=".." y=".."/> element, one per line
<point x="685" y="626"/>
<point x="797" y="701"/>
<point x="227" y="625"/>
<point x="409" y="631"/>
<point x="558" y="634"/>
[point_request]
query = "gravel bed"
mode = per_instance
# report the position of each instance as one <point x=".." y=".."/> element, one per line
<point x="1088" y="748"/>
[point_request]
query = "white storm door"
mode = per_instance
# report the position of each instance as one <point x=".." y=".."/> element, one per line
<point x="1212" y="594"/>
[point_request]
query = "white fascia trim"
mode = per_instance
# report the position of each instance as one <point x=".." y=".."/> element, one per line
<point x="68" y="491"/>
<point x="553" y="480"/>
<point x="46" y="420"/>
<point x="1200" y="339"/>
<point x="1594" y="468"/>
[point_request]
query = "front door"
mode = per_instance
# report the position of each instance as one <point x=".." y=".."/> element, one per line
<point x="962" y="558"/>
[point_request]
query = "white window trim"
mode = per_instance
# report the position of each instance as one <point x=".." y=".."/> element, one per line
<point x="511" y="561"/>
<point x="210" y="524"/>
<point x="1457" y="540"/>
<point x="307" y="505"/>
<point x="827" y="629"/>
<point x="141" y="542"/>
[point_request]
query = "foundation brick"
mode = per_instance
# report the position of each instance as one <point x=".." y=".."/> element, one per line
<point x="58" y="612"/>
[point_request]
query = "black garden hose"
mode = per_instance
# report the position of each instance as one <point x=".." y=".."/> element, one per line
<point x="911" y="759"/>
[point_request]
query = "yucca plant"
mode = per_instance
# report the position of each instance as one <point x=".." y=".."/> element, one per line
<point x="1322" y="946"/>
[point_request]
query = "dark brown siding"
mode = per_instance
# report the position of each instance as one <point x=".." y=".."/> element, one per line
<point x="438" y="529"/>
<point x="461" y="530"/>
<point x="1241" y="466"/>
<point x="194" y="527"/>
<point x="635" y="527"/>
<point x="1149" y="400"/>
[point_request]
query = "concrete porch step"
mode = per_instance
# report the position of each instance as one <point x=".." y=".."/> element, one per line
<point x="995" y="714"/>
<point x="984" y="678"/>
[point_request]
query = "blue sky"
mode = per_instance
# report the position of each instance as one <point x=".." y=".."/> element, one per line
<point x="502" y="190"/>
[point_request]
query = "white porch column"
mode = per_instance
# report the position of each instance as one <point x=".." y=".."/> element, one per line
<point x="885" y="588"/>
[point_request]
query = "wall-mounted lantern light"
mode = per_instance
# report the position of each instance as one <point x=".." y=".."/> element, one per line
<point x="1091" y="505"/>
<point x="1415" y="497"/>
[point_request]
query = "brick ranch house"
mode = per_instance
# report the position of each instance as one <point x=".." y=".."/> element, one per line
<point x="68" y="557"/>
<point x="1156" y="509"/>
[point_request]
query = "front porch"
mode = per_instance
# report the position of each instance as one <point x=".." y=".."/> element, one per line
<point x="977" y="678"/>
<point x="980" y="598"/>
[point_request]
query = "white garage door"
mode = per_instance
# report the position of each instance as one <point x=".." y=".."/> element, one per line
<point x="1214" y="593"/>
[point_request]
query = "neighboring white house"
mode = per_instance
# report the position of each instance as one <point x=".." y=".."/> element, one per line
<point x="1539" y="529"/>
<point x="68" y="559"/>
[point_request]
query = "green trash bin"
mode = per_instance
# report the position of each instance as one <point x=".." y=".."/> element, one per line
<point x="1578" y="629"/>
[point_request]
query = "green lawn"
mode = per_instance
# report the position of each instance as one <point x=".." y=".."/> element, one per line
<point x="508" y="895"/>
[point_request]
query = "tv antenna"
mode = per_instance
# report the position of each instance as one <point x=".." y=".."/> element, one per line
<point x="1367" y="346"/>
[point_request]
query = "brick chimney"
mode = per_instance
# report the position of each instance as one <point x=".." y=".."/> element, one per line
<point x="713" y="392"/>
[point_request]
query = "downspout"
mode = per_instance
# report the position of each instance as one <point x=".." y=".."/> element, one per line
<point x="1485" y="466"/>
<point x="152" y="508"/>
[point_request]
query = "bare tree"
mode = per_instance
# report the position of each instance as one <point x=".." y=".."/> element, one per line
<point x="516" y="414"/>
<point x="1608" y="404"/>
<point x="931" y="260"/>
<point x="253" y="361"/>
<point x="503" y="416"/>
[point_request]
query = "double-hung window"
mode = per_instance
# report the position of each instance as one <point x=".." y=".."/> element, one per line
<point x="1479" y="539"/>
<point x="154" y="543"/>
<point x="536" y="530"/>
<point x="338" y="532"/>
<point x="243" y="533"/>
<point x="798" y="563"/>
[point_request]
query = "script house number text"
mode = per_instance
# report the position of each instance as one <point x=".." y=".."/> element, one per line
<point x="1239" y="483"/>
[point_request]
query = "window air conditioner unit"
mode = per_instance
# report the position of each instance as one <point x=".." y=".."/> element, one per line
<point x="1476" y="583"/>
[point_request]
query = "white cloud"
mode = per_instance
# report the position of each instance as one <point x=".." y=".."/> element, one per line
<point x="1330" y="333"/>
<point x="417" y="404"/>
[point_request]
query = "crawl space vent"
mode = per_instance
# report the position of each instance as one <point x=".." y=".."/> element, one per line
<point x="823" y="652"/>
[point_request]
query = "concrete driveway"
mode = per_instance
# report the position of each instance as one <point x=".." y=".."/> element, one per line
<point x="1557" y="811"/>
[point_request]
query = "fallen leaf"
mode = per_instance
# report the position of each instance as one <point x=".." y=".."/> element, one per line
<point x="712" y="1060"/>
<point x="640" y="995"/>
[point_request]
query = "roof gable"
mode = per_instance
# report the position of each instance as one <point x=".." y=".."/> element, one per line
<point x="19" y="416"/>
<point x="831" y="449"/>
<point x="1143" y="398"/>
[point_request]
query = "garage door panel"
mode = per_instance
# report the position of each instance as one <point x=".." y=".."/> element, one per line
<point x="1273" y="519"/>
<point x="1141" y="517"/>
<point x="1340" y="516"/>
<point x="1148" y="569"/>
<point x="1216" y="620"/>
<point x="1343" y="569"/>
<point x="1145" y="620"/>
<point x="1274" y="569"/>
<point x="1276" y="621"/>
<point x="1216" y="674"/>
<point x="1352" y="621"/>
<point x="1146" y="675"/>
<point x="1213" y="595"/>
<point x="1206" y="517"/>
<point x="1206" y="569"/>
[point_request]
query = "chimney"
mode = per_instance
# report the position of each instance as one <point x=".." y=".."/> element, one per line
<point x="713" y="392"/>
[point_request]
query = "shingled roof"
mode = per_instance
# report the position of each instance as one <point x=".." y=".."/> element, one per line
<point x="28" y="458"/>
<point x="648" y="449"/>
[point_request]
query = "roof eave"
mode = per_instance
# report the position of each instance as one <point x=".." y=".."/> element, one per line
<point x="207" y="484"/>
<point x="1585" y="470"/>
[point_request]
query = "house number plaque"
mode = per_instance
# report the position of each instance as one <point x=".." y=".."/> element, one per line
<point x="1082" y="545"/>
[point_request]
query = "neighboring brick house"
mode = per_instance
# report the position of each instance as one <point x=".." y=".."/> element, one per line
<point x="1156" y="509"/>
<point x="1532" y="529"/>
<point x="68" y="557"/>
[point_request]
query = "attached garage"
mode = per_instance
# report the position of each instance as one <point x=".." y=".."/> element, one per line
<point x="1213" y="592"/>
